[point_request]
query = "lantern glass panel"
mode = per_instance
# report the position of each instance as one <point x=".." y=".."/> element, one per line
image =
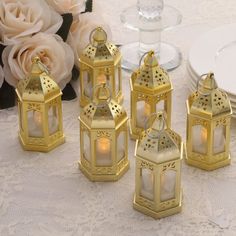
<point x="52" y="120"/>
<point x="121" y="144"/>
<point x="35" y="123"/>
<point x="86" y="146"/>
<point x="219" y="139"/>
<point x="160" y="106"/>
<point x="143" y="112"/>
<point x="168" y="182"/>
<point x="147" y="183"/>
<point x="87" y="84"/>
<point x="103" y="153"/>
<point x="199" y="139"/>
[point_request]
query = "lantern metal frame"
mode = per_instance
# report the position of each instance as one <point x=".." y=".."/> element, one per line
<point x="151" y="84"/>
<point x="100" y="57"/>
<point x="146" y="153"/>
<point x="103" y="118"/>
<point x="209" y="107"/>
<point x="39" y="93"/>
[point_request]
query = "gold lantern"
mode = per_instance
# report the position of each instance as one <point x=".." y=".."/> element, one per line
<point x="103" y="138"/>
<point x="208" y="126"/>
<point x="151" y="91"/>
<point x="158" y="155"/>
<point x="40" y="110"/>
<point x="100" y="62"/>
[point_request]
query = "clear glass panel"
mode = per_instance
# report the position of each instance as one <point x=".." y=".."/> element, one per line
<point x="147" y="183"/>
<point x="219" y="139"/>
<point x="160" y="106"/>
<point x="87" y="84"/>
<point x="52" y="120"/>
<point x="121" y="145"/>
<point x="168" y="181"/>
<point x="143" y="111"/>
<point x="199" y="139"/>
<point x="103" y="152"/>
<point x="35" y="123"/>
<point x="87" y="147"/>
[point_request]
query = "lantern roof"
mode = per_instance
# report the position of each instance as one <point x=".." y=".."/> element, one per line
<point x="99" y="52"/>
<point x="209" y="100"/>
<point x="158" y="144"/>
<point x="103" y="112"/>
<point x="151" y="77"/>
<point x="38" y="86"/>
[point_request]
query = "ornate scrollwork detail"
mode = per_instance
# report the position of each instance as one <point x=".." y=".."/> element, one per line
<point x="143" y="97"/>
<point x="160" y="97"/>
<point x="145" y="202"/>
<point x="36" y="141"/>
<point x="104" y="170"/>
<point x="200" y="122"/>
<point x="145" y="164"/>
<point x="170" y="165"/>
<point x="222" y="121"/>
<point x="34" y="106"/>
<point x="168" y="204"/>
<point x="103" y="133"/>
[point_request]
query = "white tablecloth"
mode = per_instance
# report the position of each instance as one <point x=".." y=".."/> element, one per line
<point x="46" y="194"/>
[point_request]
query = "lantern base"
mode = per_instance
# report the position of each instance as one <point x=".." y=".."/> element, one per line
<point x="205" y="166"/>
<point x="41" y="148"/>
<point x="160" y="214"/>
<point x="103" y="177"/>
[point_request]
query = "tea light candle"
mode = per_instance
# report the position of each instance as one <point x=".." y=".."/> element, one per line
<point x="142" y="114"/>
<point x="35" y="124"/>
<point x="199" y="139"/>
<point x="103" y="154"/>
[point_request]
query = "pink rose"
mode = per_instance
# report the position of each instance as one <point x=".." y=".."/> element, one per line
<point x="1" y="76"/>
<point x="21" y="19"/>
<point x="67" y="6"/>
<point x="53" y="52"/>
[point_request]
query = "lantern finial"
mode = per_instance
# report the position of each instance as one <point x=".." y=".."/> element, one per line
<point x="38" y="67"/>
<point x="150" y="60"/>
<point x="99" y="36"/>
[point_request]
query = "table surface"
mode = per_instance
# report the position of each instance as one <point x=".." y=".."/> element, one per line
<point x="46" y="194"/>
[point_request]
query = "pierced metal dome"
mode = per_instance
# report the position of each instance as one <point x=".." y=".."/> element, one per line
<point x="209" y="100"/>
<point x="159" y="145"/>
<point x="99" y="51"/>
<point x="38" y="85"/>
<point x="150" y="76"/>
<point x="111" y="112"/>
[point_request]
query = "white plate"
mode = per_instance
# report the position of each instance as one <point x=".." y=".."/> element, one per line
<point x="216" y="51"/>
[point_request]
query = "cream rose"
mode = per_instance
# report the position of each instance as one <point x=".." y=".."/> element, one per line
<point x="1" y="76"/>
<point x="53" y="52"/>
<point x="67" y="6"/>
<point x="78" y="37"/>
<point x="21" y="19"/>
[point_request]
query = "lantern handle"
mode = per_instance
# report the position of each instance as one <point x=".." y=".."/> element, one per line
<point x="102" y="85"/>
<point x="141" y="59"/>
<point x="198" y="84"/>
<point x="162" y="118"/>
<point x="91" y="34"/>
<point x="40" y="64"/>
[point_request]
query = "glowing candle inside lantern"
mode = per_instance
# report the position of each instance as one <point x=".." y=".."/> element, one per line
<point x="142" y="114"/>
<point x="103" y="154"/>
<point x="37" y="118"/>
<point x="35" y="124"/>
<point x="199" y="139"/>
<point x="101" y="79"/>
